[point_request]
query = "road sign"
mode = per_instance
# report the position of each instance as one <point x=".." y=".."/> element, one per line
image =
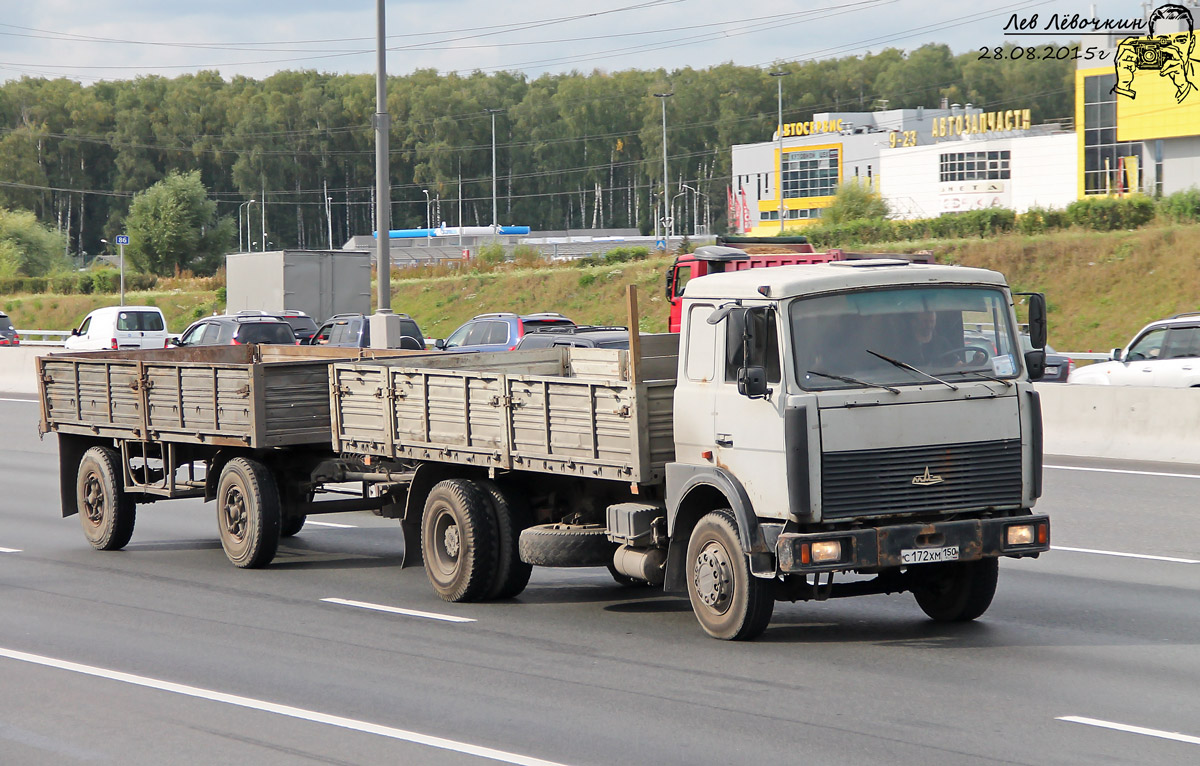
<point x="660" y="244"/>
<point x="122" y="239"/>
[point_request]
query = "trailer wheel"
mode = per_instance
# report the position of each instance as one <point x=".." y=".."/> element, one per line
<point x="106" y="513"/>
<point x="566" y="545"/>
<point x="458" y="540"/>
<point x="511" y="574"/>
<point x="958" y="592"/>
<point x="248" y="514"/>
<point x="729" y="602"/>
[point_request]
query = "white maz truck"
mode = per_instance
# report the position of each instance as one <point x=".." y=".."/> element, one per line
<point x="813" y="432"/>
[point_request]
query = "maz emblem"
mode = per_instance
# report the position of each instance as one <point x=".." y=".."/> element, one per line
<point x="927" y="479"/>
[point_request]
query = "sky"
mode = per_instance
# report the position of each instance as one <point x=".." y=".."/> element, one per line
<point x="91" y="40"/>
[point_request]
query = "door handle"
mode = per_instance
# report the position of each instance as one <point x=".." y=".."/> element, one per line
<point x="724" y="440"/>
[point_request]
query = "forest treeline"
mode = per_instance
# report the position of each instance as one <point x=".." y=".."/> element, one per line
<point x="573" y="150"/>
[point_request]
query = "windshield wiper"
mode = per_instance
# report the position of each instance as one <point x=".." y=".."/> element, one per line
<point x="856" y="381"/>
<point x="1007" y="383"/>
<point x="906" y="366"/>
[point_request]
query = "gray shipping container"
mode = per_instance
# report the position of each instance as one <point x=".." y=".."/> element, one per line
<point x="320" y="283"/>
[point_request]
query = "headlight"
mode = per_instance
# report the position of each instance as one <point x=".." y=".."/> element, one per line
<point x="1020" y="534"/>
<point x="826" y="550"/>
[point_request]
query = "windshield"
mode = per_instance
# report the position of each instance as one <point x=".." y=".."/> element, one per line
<point x="867" y="338"/>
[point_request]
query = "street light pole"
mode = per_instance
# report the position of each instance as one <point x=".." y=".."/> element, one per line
<point x="244" y="205"/>
<point x="495" y="219"/>
<point x="428" y="241"/>
<point x="779" y="75"/>
<point x="383" y="188"/>
<point x="696" y="209"/>
<point x="249" y="239"/>
<point x="666" y="215"/>
<point x="328" y="214"/>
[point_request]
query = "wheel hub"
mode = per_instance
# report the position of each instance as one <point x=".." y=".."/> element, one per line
<point x="93" y="499"/>
<point x="234" y="513"/>
<point x="713" y="577"/>
<point x="451" y="541"/>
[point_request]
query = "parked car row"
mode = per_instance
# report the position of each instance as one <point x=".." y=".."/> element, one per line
<point x="130" y="327"/>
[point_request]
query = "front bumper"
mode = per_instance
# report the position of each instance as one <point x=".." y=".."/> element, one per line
<point x="881" y="547"/>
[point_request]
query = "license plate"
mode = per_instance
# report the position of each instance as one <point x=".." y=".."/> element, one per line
<point x="929" y="555"/>
<point x="1051" y="370"/>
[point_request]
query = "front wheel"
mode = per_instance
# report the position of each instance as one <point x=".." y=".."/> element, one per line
<point x="728" y="600"/>
<point x="106" y="513"/>
<point x="248" y="514"/>
<point x="958" y="592"/>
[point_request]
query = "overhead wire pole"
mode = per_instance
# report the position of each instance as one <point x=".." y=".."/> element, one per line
<point x="666" y="215"/>
<point x="779" y="75"/>
<point x="385" y="326"/>
<point x="495" y="219"/>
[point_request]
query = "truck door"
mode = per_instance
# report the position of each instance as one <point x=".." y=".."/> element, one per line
<point x="749" y="432"/>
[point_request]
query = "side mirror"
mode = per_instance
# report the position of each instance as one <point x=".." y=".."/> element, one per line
<point x="75" y="332"/>
<point x="440" y="344"/>
<point x="752" y="382"/>
<point x="1037" y="320"/>
<point x="1035" y="363"/>
<point x="1115" y="355"/>
<point x="177" y="341"/>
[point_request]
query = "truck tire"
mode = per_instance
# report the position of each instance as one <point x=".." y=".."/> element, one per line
<point x="958" y="592"/>
<point x="729" y="602"/>
<point x="248" y="513"/>
<point x="458" y="540"/>
<point x="566" y="545"/>
<point x="292" y="525"/>
<point x="511" y="574"/>
<point x="106" y="513"/>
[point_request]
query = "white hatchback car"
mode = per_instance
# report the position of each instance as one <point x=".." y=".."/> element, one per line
<point x="120" y="327"/>
<point x="1164" y="353"/>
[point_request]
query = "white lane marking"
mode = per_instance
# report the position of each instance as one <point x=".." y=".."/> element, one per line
<point x="1171" y="735"/>
<point x="10" y="550"/>
<point x="1121" y="470"/>
<point x="330" y="524"/>
<point x="27" y="401"/>
<point x="284" y="710"/>
<point x="397" y="610"/>
<point x="1171" y="559"/>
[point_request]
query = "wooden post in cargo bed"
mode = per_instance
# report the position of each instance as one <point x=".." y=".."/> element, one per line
<point x="635" y="335"/>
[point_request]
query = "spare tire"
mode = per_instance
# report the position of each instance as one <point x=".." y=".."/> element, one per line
<point x="566" y="545"/>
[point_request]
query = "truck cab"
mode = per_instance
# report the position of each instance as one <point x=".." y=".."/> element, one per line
<point x="862" y="416"/>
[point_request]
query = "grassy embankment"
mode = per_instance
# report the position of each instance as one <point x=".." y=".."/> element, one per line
<point x="1101" y="287"/>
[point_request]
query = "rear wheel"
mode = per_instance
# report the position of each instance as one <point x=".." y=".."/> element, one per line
<point x="292" y="525"/>
<point x="728" y="600"/>
<point x="248" y="514"/>
<point x="512" y="574"/>
<point x="458" y="540"/>
<point x="958" y="592"/>
<point x="106" y="513"/>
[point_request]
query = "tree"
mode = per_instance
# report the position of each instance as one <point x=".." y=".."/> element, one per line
<point x="26" y="247"/>
<point x="855" y="201"/>
<point x="174" y="226"/>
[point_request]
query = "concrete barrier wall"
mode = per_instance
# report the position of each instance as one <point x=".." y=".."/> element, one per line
<point x="1155" y="424"/>
<point x="17" y="372"/>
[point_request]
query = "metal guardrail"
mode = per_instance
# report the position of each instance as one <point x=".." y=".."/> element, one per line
<point x="45" y="337"/>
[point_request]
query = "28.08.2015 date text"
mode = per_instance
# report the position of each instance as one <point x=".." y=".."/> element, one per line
<point x="1044" y="53"/>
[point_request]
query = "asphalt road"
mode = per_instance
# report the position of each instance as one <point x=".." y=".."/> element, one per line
<point x="165" y="654"/>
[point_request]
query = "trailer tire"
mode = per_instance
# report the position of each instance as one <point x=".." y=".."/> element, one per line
<point x="511" y="574"/>
<point x="248" y="513"/>
<point x="566" y="545"/>
<point x="292" y="525"/>
<point x="458" y="540"/>
<point x="958" y="592"/>
<point x="729" y="601"/>
<point x="106" y="513"/>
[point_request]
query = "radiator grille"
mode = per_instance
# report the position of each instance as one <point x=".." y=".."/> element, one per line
<point x="875" y="482"/>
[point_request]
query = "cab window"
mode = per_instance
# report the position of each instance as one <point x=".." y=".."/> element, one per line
<point x="763" y="353"/>
<point x="700" y="341"/>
